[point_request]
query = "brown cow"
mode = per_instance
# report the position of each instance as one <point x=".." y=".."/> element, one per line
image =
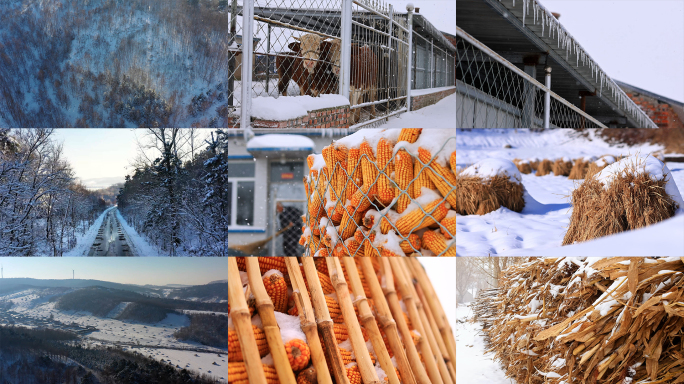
<point x="307" y="66"/>
<point x="364" y="74"/>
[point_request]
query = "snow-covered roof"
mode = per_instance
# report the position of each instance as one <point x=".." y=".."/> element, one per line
<point x="280" y="142"/>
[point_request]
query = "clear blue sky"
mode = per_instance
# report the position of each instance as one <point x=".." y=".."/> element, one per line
<point x="102" y="157"/>
<point x="125" y="270"/>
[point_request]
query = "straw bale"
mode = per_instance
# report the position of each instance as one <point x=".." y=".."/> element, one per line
<point x="534" y="164"/>
<point x="632" y="200"/>
<point x="544" y="167"/>
<point x="561" y="168"/>
<point x="523" y="167"/>
<point x="579" y="170"/>
<point x="571" y="320"/>
<point x="477" y="196"/>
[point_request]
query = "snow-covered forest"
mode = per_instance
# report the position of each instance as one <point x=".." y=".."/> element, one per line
<point x="42" y="207"/>
<point x="113" y="63"/>
<point x="177" y="196"/>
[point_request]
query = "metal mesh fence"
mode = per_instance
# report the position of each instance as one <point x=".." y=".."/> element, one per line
<point x="493" y="93"/>
<point x="234" y="63"/>
<point x="382" y="200"/>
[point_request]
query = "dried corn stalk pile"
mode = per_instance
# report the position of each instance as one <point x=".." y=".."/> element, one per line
<point x="383" y="193"/>
<point x="593" y="320"/>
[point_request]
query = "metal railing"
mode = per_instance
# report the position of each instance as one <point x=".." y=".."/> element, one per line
<point x="493" y="93"/>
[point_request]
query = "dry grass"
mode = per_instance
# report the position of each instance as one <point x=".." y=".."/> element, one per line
<point x="633" y="200"/>
<point x="524" y="168"/>
<point x="544" y="167"/>
<point x="477" y="196"/>
<point x="561" y="168"/>
<point x="534" y="164"/>
<point x="579" y="170"/>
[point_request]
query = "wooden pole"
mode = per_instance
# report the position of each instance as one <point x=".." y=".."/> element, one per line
<point x="408" y="299"/>
<point x="368" y="373"/>
<point x="436" y="307"/>
<point x="435" y="331"/>
<point x="307" y="320"/>
<point x="366" y="316"/>
<point x="271" y="329"/>
<point x="239" y="312"/>
<point x="439" y="357"/>
<point x="325" y="323"/>
<point x="391" y="295"/>
<point x="386" y="321"/>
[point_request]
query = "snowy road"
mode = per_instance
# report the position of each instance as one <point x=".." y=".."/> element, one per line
<point x="474" y="366"/>
<point x="111" y="239"/>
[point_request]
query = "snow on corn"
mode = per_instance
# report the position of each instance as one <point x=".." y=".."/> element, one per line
<point x="378" y="191"/>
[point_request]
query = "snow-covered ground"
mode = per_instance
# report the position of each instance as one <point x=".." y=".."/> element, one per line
<point x="540" y="227"/>
<point x="83" y="242"/>
<point x="439" y="115"/>
<point x="32" y="304"/>
<point x="473" y="365"/>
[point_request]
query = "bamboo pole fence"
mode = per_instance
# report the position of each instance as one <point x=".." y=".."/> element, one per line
<point x="362" y="321"/>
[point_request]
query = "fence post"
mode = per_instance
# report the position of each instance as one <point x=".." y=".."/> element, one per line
<point x="247" y="52"/>
<point x="547" y="99"/>
<point x="409" y="8"/>
<point x="345" y="59"/>
<point x="432" y="63"/>
<point x="268" y="58"/>
<point x="390" y="44"/>
<point x="231" y="60"/>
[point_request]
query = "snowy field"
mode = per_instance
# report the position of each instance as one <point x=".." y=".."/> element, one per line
<point x="540" y="227"/>
<point x="111" y="332"/>
<point x="474" y="366"/>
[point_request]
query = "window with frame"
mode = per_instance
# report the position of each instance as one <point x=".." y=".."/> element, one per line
<point x="241" y="182"/>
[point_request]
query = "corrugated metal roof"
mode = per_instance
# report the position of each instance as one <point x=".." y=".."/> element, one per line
<point x="522" y="28"/>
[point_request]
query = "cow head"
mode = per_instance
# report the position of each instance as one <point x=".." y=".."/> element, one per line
<point x="334" y="54"/>
<point x="309" y="48"/>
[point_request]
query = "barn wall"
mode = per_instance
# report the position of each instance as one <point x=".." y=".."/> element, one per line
<point x="418" y="102"/>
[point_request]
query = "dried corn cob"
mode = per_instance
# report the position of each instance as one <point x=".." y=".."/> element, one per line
<point x="385" y="187"/>
<point x="435" y="242"/>
<point x="360" y="199"/>
<point x="321" y="265"/>
<point x="369" y="250"/>
<point x="341" y="332"/>
<point x="452" y="162"/>
<point x="277" y="290"/>
<point x="350" y="247"/>
<point x="307" y="376"/>
<point x="307" y="188"/>
<point x="403" y="164"/>
<point x="354" y="170"/>
<point x="384" y="252"/>
<point x="412" y="221"/>
<point x="354" y="375"/>
<point x="409" y="134"/>
<point x="265" y="264"/>
<point x="234" y="352"/>
<point x="411" y="245"/>
<point x="316" y="208"/>
<point x="341" y="154"/>
<point x="444" y="180"/>
<point x="323" y="252"/>
<point x="422" y="180"/>
<point x="350" y="222"/>
<point x="333" y="308"/>
<point x="369" y="168"/>
<point x="298" y="354"/>
<point x="335" y="214"/>
<point x="314" y="245"/>
<point x="448" y="227"/>
<point x="237" y="373"/>
<point x="330" y="162"/>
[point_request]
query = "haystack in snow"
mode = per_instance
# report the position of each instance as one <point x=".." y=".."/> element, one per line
<point x="562" y="167"/>
<point x="594" y="320"/>
<point x="544" y="167"/>
<point x="523" y="166"/>
<point x="598" y="165"/>
<point x="534" y="163"/>
<point x="579" y="169"/>
<point x="487" y="185"/>
<point x="632" y="193"/>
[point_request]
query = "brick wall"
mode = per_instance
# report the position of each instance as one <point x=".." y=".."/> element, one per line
<point x="418" y="102"/>
<point x="661" y="113"/>
<point x="336" y="117"/>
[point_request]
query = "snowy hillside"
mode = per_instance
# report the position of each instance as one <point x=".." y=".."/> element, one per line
<point x="108" y="63"/>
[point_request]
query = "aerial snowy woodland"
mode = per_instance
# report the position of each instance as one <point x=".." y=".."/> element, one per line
<point x="173" y="204"/>
<point x="104" y="332"/>
<point x="540" y="227"/>
<point x="108" y="63"/>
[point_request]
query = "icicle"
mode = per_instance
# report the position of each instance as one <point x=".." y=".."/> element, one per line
<point x="535" y="13"/>
<point x="543" y="17"/>
<point x="513" y="3"/>
<point x="524" y="6"/>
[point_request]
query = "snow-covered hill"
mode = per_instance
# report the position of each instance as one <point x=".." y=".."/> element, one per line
<point x="111" y="63"/>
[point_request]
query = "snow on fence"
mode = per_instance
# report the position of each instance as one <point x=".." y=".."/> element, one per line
<point x="383" y="193"/>
<point x="493" y="93"/>
<point x="359" y="49"/>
